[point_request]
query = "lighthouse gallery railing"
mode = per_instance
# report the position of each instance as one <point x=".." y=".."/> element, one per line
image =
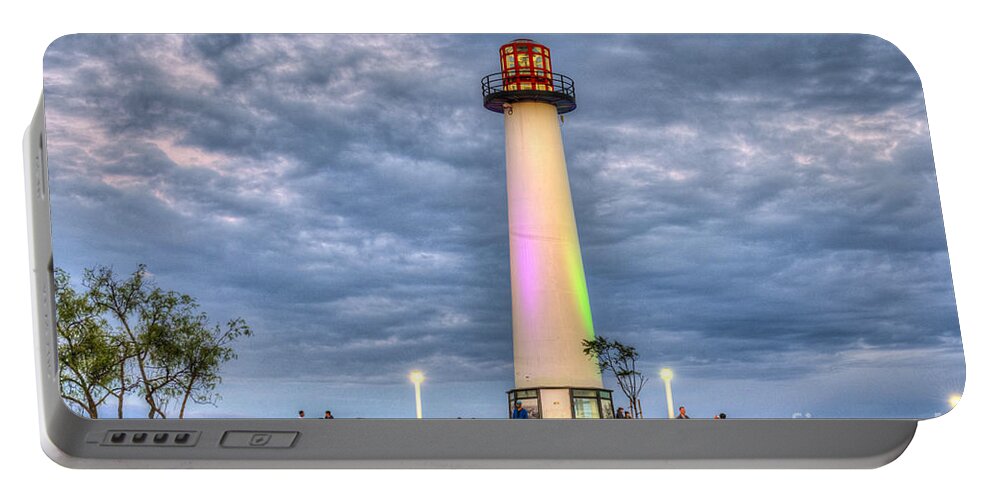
<point x="497" y="82"/>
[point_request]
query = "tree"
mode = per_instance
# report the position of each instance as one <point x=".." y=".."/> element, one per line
<point x="199" y="351"/>
<point x="87" y="354"/>
<point x="155" y="344"/>
<point x="129" y="303"/>
<point x="620" y="360"/>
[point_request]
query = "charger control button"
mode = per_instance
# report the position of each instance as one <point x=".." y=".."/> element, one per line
<point x="258" y="439"/>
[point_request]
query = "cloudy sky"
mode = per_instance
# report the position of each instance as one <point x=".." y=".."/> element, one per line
<point x="760" y="213"/>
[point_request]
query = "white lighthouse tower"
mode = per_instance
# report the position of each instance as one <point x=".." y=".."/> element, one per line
<point x="551" y="308"/>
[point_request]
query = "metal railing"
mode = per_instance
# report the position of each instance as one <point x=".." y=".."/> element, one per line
<point x="499" y="82"/>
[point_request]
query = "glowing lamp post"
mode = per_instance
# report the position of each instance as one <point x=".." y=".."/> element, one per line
<point x="417" y="377"/>
<point x="954" y="399"/>
<point x="666" y="375"/>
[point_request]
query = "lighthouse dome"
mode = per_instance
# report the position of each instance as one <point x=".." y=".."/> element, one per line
<point x="526" y="75"/>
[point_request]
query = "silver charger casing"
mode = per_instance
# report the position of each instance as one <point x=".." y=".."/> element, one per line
<point x="78" y="442"/>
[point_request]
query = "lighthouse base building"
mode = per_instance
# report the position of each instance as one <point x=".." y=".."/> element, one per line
<point x="553" y="377"/>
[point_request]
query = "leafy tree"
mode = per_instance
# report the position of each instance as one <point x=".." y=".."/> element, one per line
<point x="157" y="343"/>
<point x="128" y="302"/>
<point x="87" y="354"/>
<point x="620" y="360"/>
<point x="118" y="299"/>
<point x="202" y="351"/>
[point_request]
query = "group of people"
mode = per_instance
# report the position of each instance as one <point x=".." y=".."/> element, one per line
<point x="622" y="413"/>
<point x="683" y="415"/>
<point x="519" y="412"/>
<point x="327" y="414"/>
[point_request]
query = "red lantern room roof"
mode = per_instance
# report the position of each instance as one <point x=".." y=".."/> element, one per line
<point x="526" y="75"/>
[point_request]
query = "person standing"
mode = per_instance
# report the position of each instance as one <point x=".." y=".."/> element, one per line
<point x="519" y="411"/>
<point x="328" y="415"/>
<point x="301" y="414"/>
<point x="682" y="413"/>
<point x="620" y="412"/>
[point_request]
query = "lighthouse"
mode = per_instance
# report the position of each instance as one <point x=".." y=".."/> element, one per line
<point x="553" y="378"/>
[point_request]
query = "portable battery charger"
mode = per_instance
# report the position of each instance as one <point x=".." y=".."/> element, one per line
<point x="321" y="251"/>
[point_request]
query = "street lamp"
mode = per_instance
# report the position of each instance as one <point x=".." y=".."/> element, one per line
<point x="666" y="375"/>
<point x="417" y="377"/>
<point x="954" y="399"/>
